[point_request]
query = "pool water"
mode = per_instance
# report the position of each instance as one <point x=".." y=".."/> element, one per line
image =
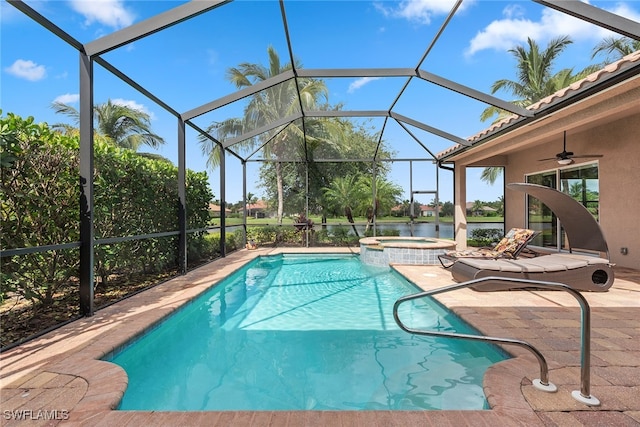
<point x="305" y="333"/>
<point x="401" y="240"/>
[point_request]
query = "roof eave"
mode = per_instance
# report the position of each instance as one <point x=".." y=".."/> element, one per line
<point x="611" y="75"/>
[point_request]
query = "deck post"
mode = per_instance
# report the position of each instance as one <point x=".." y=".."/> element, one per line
<point x="460" y="202"/>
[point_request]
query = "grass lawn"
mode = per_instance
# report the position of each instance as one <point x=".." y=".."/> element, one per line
<point x="317" y="220"/>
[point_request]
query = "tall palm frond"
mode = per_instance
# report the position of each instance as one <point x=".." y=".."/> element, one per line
<point x="617" y="47"/>
<point x="265" y="107"/>
<point x="127" y="127"/>
<point x="490" y="174"/>
<point x="535" y="81"/>
<point x="344" y="193"/>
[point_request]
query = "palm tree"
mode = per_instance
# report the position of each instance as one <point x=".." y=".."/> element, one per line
<point x="251" y="200"/>
<point x="619" y="47"/>
<point x="344" y="193"/>
<point x="477" y="208"/>
<point x="127" y="127"/>
<point x="266" y="107"/>
<point x="387" y="194"/>
<point x="406" y="207"/>
<point x="490" y="174"/>
<point x="535" y="82"/>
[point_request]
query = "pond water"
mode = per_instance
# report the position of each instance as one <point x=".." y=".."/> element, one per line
<point x="419" y="229"/>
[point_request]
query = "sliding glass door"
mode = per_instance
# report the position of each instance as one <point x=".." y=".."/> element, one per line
<point x="580" y="182"/>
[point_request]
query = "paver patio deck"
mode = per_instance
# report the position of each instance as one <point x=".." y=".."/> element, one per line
<point x="59" y="375"/>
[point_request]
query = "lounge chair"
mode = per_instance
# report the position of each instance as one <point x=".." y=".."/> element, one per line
<point x="588" y="271"/>
<point x="509" y="247"/>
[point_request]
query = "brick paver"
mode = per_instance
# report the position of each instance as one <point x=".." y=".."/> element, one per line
<point x="59" y="373"/>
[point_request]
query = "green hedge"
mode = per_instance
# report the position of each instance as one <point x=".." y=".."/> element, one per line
<point x="133" y="195"/>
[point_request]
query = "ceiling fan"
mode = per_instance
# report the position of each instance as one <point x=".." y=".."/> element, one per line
<point x="566" y="157"/>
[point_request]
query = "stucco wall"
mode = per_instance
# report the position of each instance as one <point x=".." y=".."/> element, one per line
<point x="619" y="179"/>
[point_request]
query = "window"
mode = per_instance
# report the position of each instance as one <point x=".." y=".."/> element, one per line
<point x="580" y="182"/>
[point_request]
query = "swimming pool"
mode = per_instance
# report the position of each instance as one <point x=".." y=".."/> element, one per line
<point x="304" y="333"/>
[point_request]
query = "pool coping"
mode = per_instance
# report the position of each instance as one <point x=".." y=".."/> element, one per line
<point x="408" y="242"/>
<point x="61" y="370"/>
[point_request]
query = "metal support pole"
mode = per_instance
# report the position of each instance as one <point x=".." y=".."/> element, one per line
<point x="244" y="202"/>
<point x="86" y="186"/>
<point x="584" y="394"/>
<point x="182" y="198"/>
<point x="437" y="202"/>
<point x="373" y="190"/>
<point x="411" y="192"/>
<point x="223" y="204"/>
<point x="306" y="209"/>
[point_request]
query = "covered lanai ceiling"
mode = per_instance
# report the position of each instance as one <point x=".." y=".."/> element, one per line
<point x="409" y="95"/>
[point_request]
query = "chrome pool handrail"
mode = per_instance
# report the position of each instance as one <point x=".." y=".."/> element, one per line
<point x="583" y="395"/>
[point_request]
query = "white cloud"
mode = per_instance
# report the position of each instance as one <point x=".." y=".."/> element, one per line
<point x="26" y="69"/>
<point x="504" y="34"/>
<point x="133" y="105"/>
<point x="420" y="11"/>
<point x="514" y="29"/>
<point x="623" y="9"/>
<point x="513" y="11"/>
<point x="106" y="12"/>
<point x="67" y="98"/>
<point x="359" y="83"/>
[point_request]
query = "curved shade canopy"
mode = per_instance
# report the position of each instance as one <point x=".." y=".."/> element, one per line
<point x="583" y="231"/>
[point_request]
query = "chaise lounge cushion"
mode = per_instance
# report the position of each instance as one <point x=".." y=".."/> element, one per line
<point x="582" y="272"/>
<point x="509" y="247"/>
<point x="514" y="241"/>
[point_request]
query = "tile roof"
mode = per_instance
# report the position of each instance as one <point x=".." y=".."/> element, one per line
<point x="574" y="87"/>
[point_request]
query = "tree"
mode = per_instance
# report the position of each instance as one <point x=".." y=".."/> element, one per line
<point x="387" y="194"/>
<point x="406" y="207"/>
<point x="535" y="79"/>
<point x="619" y="47"/>
<point x="344" y="193"/>
<point x="335" y="138"/>
<point x="477" y="208"/>
<point x="127" y="127"/>
<point x="251" y="200"/>
<point x="447" y="209"/>
<point x="535" y="82"/>
<point x="490" y="174"/>
<point x="267" y="106"/>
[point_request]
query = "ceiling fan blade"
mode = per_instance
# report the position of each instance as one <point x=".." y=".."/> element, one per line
<point x="586" y="155"/>
<point x="567" y="155"/>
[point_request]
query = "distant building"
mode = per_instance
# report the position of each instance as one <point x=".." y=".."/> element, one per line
<point x="257" y="209"/>
<point x="215" y="210"/>
<point x="428" y="211"/>
<point x="483" y="210"/>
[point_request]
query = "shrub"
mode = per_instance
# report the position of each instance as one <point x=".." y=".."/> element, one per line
<point x="484" y="237"/>
<point x="133" y="195"/>
<point x="39" y="207"/>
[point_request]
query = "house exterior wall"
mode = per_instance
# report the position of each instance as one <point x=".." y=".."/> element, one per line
<point x="606" y="123"/>
<point x="618" y="142"/>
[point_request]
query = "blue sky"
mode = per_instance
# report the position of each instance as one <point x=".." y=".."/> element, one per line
<point x="185" y="65"/>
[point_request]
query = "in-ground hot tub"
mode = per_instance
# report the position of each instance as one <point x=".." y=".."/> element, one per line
<point x="385" y="250"/>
